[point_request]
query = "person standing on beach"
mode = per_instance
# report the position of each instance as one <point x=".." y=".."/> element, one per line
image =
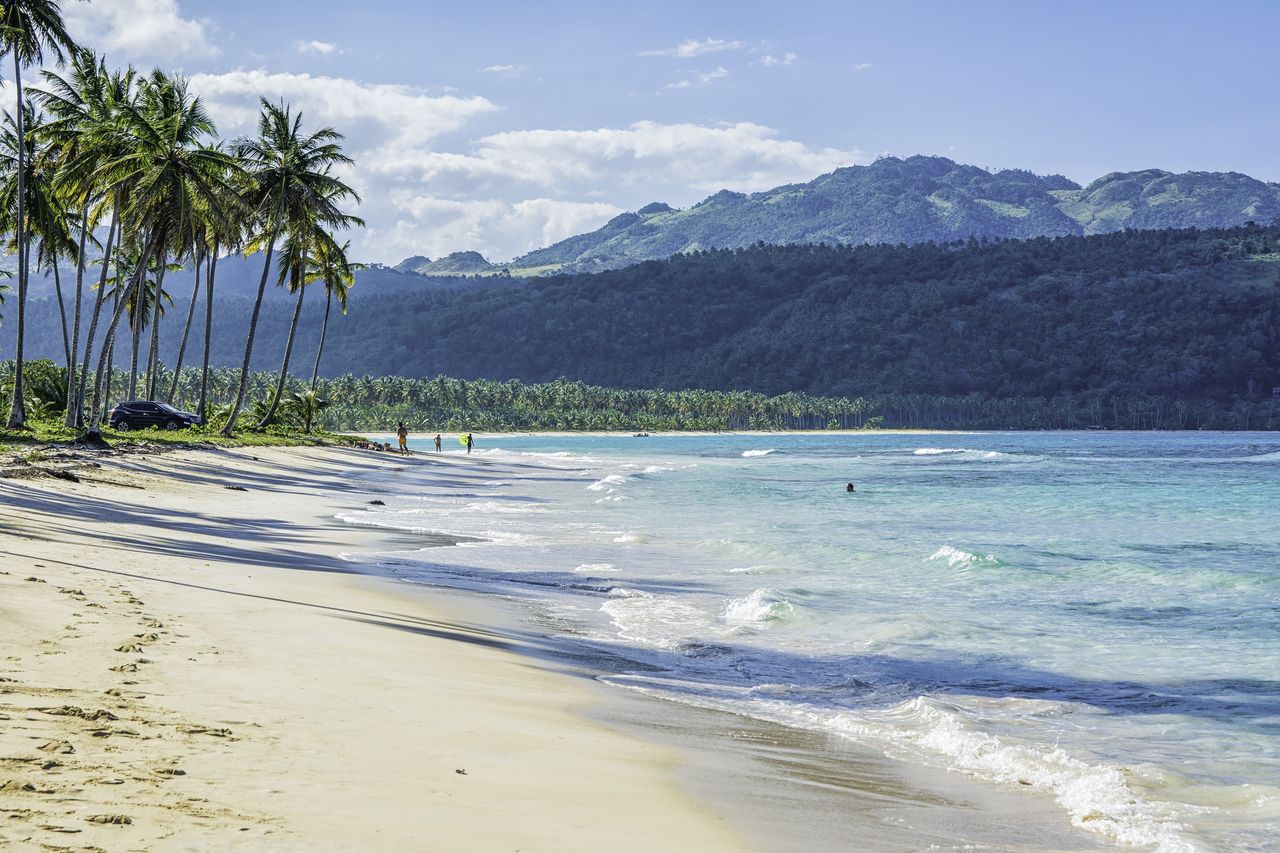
<point x="437" y="442"/>
<point x="402" y="433"/>
<point x="468" y="444"/>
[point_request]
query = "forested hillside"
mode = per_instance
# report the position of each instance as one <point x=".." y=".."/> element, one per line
<point x="1187" y="315"/>
<point x="915" y="200"/>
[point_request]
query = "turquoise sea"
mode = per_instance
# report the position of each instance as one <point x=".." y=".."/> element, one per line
<point x="1091" y="616"/>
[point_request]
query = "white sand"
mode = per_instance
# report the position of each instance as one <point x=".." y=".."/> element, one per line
<point x="193" y="663"/>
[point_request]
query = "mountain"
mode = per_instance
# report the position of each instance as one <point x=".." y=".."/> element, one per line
<point x="458" y="263"/>
<point x="915" y="200"/>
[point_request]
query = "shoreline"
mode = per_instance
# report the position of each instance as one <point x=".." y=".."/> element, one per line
<point x="770" y="777"/>
<point x="686" y="773"/>
<point x="193" y="664"/>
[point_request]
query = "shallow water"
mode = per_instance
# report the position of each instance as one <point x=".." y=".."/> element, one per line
<point x="1092" y="615"/>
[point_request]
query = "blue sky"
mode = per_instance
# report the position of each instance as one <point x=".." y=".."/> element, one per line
<point x="503" y="126"/>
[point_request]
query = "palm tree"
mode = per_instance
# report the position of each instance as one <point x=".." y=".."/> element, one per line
<point x="301" y="246"/>
<point x="305" y="405"/>
<point x="28" y="28"/>
<point x="180" y="180"/>
<point x="289" y="182"/>
<point x="186" y="329"/>
<point x="171" y="184"/>
<point x="82" y="109"/>
<point x="330" y="265"/>
<point x="216" y="234"/>
<point x="211" y="271"/>
<point x="139" y="289"/>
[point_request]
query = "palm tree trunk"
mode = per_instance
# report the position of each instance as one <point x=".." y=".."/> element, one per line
<point x="186" y="330"/>
<point x="109" y="348"/>
<point x="324" y="328"/>
<point x="153" y="351"/>
<point x="253" y="322"/>
<point x="288" y="350"/>
<point x="208" y="328"/>
<point x="72" y="389"/>
<point x="17" y="409"/>
<point x="133" y="355"/>
<point x="93" y="323"/>
<point x="62" y="314"/>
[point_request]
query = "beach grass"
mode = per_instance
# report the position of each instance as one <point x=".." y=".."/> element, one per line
<point x="41" y="433"/>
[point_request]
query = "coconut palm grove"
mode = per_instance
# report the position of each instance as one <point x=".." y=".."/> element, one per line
<point x="87" y="148"/>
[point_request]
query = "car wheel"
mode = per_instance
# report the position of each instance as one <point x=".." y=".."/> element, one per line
<point x="120" y="426"/>
<point x="171" y="425"/>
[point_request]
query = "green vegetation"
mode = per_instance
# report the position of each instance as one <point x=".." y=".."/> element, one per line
<point x="139" y="156"/>
<point x="377" y="404"/>
<point x="1187" y="317"/>
<point x="1138" y="329"/>
<point x="40" y="433"/>
<point x="1135" y="329"/>
<point x="916" y="200"/>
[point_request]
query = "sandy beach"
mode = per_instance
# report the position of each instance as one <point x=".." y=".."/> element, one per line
<point x="185" y="665"/>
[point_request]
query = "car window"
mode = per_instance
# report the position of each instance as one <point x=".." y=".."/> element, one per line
<point x="165" y="407"/>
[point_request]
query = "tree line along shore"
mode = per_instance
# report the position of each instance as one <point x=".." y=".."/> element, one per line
<point x="369" y="404"/>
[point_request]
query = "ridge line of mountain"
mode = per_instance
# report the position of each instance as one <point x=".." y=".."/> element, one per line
<point x="894" y="200"/>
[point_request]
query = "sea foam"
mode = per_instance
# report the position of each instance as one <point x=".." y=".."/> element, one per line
<point x="762" y="605"/>
<point x="957" y="557"/>
<point x="1096" y="796"/>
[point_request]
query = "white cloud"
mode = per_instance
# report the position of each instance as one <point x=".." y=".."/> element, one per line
<point x="704" y="79"/>
<point x="505" y="70"/>
<point x="138" y="28"/>
<point x="769" y="60"/>
<point x="496" y="228"/>
<point x="371" y="114"/>
<point x="862" y="66"/>
<point x="742" y="156"/>
<point x="323" y="48"/>
<point x="690" y="48"/>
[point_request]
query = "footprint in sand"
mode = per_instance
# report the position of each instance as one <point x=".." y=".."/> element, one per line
<point x="131" y="648"/>
<point x="13" y="786"/>
<point x="58" y="747"/>
<point x="73" y="711"/>
<point x="106" y="733"/>
<point x="201" y="730"/>
<point x="116" y="819"/>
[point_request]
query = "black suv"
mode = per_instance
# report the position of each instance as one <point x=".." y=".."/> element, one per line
<point x="140" y="414"/>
